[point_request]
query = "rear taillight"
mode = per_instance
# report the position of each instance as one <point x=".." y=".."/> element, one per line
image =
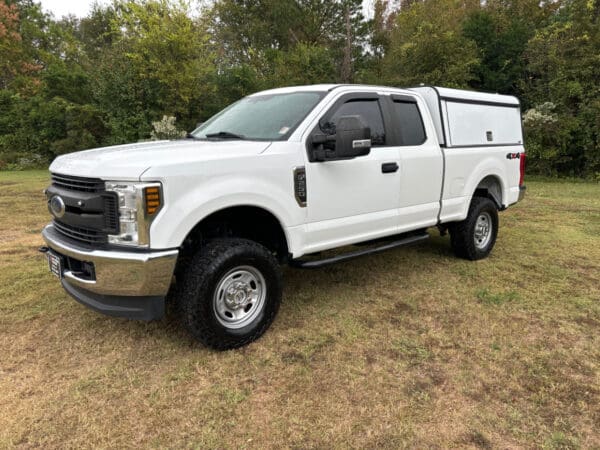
<point x="521" y="169"/>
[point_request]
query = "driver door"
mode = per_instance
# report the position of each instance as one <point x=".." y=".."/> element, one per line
<point x="356" y="199"/>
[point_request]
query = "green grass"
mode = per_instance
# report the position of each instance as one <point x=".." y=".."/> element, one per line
<point x="410" y="348"/>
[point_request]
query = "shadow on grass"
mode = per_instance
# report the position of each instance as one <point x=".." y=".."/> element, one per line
<point x="301" y="287"/>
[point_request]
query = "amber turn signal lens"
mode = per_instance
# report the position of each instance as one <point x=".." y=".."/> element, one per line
<point x="152" y="196"/>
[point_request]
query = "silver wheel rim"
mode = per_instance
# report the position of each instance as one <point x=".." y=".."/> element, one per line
<point x="483" y="230"/>
<point x="239" y="297"/>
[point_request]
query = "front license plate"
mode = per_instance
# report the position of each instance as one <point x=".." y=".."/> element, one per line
<point x="55" y="264"/>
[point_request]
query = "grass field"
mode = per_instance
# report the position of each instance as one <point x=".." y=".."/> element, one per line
<point x="411" y="348"/>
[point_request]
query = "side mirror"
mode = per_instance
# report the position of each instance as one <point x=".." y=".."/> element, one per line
<point x="352" y="138"/>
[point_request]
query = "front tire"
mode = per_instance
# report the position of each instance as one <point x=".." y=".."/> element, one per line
<point x="229" y="293"/>
<point x="474" y="237"/>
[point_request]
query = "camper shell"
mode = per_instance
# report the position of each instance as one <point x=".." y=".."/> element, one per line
<point x="473" y="119"/>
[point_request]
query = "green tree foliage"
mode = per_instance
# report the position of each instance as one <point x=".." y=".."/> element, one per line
<point x="45" y="101"/>
<point x="501" y="47"/>
<point x="261" y="35"/>
<point x="304" y="64"/>
<point x="157" y="62"/>
<point x="563" y="60"/>
<point x="18" y="67"/>
<point x="501" y="32"/>
<point x="73" y="83"/>
<point x="426" y="46"/>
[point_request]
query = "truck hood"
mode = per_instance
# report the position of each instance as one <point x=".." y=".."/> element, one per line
<point x="128" y="162"/>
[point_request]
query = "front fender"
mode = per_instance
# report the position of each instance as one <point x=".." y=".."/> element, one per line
<point x="185" y="209"/>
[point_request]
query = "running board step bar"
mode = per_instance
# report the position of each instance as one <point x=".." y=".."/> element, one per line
<point x="316" y="263"/>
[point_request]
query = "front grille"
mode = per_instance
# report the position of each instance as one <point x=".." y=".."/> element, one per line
<point x="92" y="213"/>
<point x="85" y="235"/>
<point x="77" y="183"/>
<point x="111" y="213"/>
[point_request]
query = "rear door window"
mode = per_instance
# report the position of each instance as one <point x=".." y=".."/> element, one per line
<point x="409" y="122"/>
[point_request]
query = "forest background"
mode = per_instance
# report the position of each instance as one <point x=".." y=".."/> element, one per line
<point x="71" y="83"/>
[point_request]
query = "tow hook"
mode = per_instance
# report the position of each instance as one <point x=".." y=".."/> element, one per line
<point x="43" y="249"/>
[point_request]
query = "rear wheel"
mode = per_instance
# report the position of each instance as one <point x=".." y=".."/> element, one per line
<point x="474" y="237"/>
<point x="229" y="293"/>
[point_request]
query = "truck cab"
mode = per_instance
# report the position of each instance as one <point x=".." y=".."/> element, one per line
<point x="276" y="178"/>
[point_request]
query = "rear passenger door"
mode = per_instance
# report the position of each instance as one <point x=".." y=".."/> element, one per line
<point x="421" y="162"/>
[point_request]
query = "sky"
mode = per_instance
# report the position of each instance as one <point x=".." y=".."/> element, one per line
<point x="60" y="8"/>
<point x="81" y="8"/>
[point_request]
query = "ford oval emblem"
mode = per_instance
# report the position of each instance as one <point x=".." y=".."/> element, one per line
<point x="57" y="206"/>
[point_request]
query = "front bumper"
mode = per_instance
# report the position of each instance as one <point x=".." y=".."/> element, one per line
<point x="125" y="283"/>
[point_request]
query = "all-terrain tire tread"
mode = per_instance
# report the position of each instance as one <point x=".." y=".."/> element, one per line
<point x="461" y="233"/>
<point x="196" y="284"/>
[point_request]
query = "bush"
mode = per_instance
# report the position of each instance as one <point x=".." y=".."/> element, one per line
<point x="22" y="161"/>
<point x="47" y="127"/>
<point x="166" y="129"/>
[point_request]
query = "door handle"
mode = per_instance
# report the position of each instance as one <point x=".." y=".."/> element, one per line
<point x="389" y="167"/>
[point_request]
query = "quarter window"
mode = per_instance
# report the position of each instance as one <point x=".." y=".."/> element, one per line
<point x="409" y="121"/>
<point x="369" y="112"/>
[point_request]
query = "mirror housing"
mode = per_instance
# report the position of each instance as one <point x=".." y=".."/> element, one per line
<point x="352" y="138"/>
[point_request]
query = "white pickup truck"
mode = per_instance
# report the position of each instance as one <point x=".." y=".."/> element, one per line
<point x="276" y="178"/>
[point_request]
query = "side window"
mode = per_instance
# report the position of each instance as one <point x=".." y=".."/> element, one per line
<point x="370" y="113"/>
<point x="410" y="123"/>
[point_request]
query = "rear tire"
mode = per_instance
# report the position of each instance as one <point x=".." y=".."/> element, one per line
<point x="229" y="293"/>
<point x="474" y="237"/>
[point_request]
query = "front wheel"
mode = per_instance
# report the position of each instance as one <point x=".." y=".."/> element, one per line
<point x="474" y="237"/>
<point x="230" y="293"/>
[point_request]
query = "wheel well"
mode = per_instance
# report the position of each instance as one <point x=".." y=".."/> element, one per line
<point x="248" y="222"/>
<point x="491" y="188"/>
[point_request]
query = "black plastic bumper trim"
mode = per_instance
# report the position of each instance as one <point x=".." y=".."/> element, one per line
<point x="136" y="308"/>
<point x="522" y="190"/>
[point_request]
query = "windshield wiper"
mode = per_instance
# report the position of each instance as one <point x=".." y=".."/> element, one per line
<point x="225" y="135"/>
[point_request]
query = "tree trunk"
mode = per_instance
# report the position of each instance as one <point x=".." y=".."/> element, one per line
<point x="347" y="69"/>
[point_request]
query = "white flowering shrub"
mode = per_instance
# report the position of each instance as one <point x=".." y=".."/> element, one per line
<point x="166" y="129"/>
<point x="22" y="161"/>
<point x="543" y="138"/>
<point x="32" y="161"/>
<point x="540" y="115"/>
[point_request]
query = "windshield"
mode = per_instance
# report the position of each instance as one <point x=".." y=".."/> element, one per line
<point x="270" y="117"/>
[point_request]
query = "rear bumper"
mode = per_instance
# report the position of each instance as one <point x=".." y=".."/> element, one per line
<point x="125" y="284"/>
<point x="522" y="190"/>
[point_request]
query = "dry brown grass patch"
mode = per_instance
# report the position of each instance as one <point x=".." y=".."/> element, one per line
<point x="408" y="349"/>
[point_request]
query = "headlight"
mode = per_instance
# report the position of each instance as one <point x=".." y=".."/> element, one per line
<point x="139" y="203"/>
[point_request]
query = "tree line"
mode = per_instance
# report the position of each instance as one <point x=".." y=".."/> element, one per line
<point x="70" y="83"/>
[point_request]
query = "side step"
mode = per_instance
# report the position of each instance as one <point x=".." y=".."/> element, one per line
<point x="316" y="263"/>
